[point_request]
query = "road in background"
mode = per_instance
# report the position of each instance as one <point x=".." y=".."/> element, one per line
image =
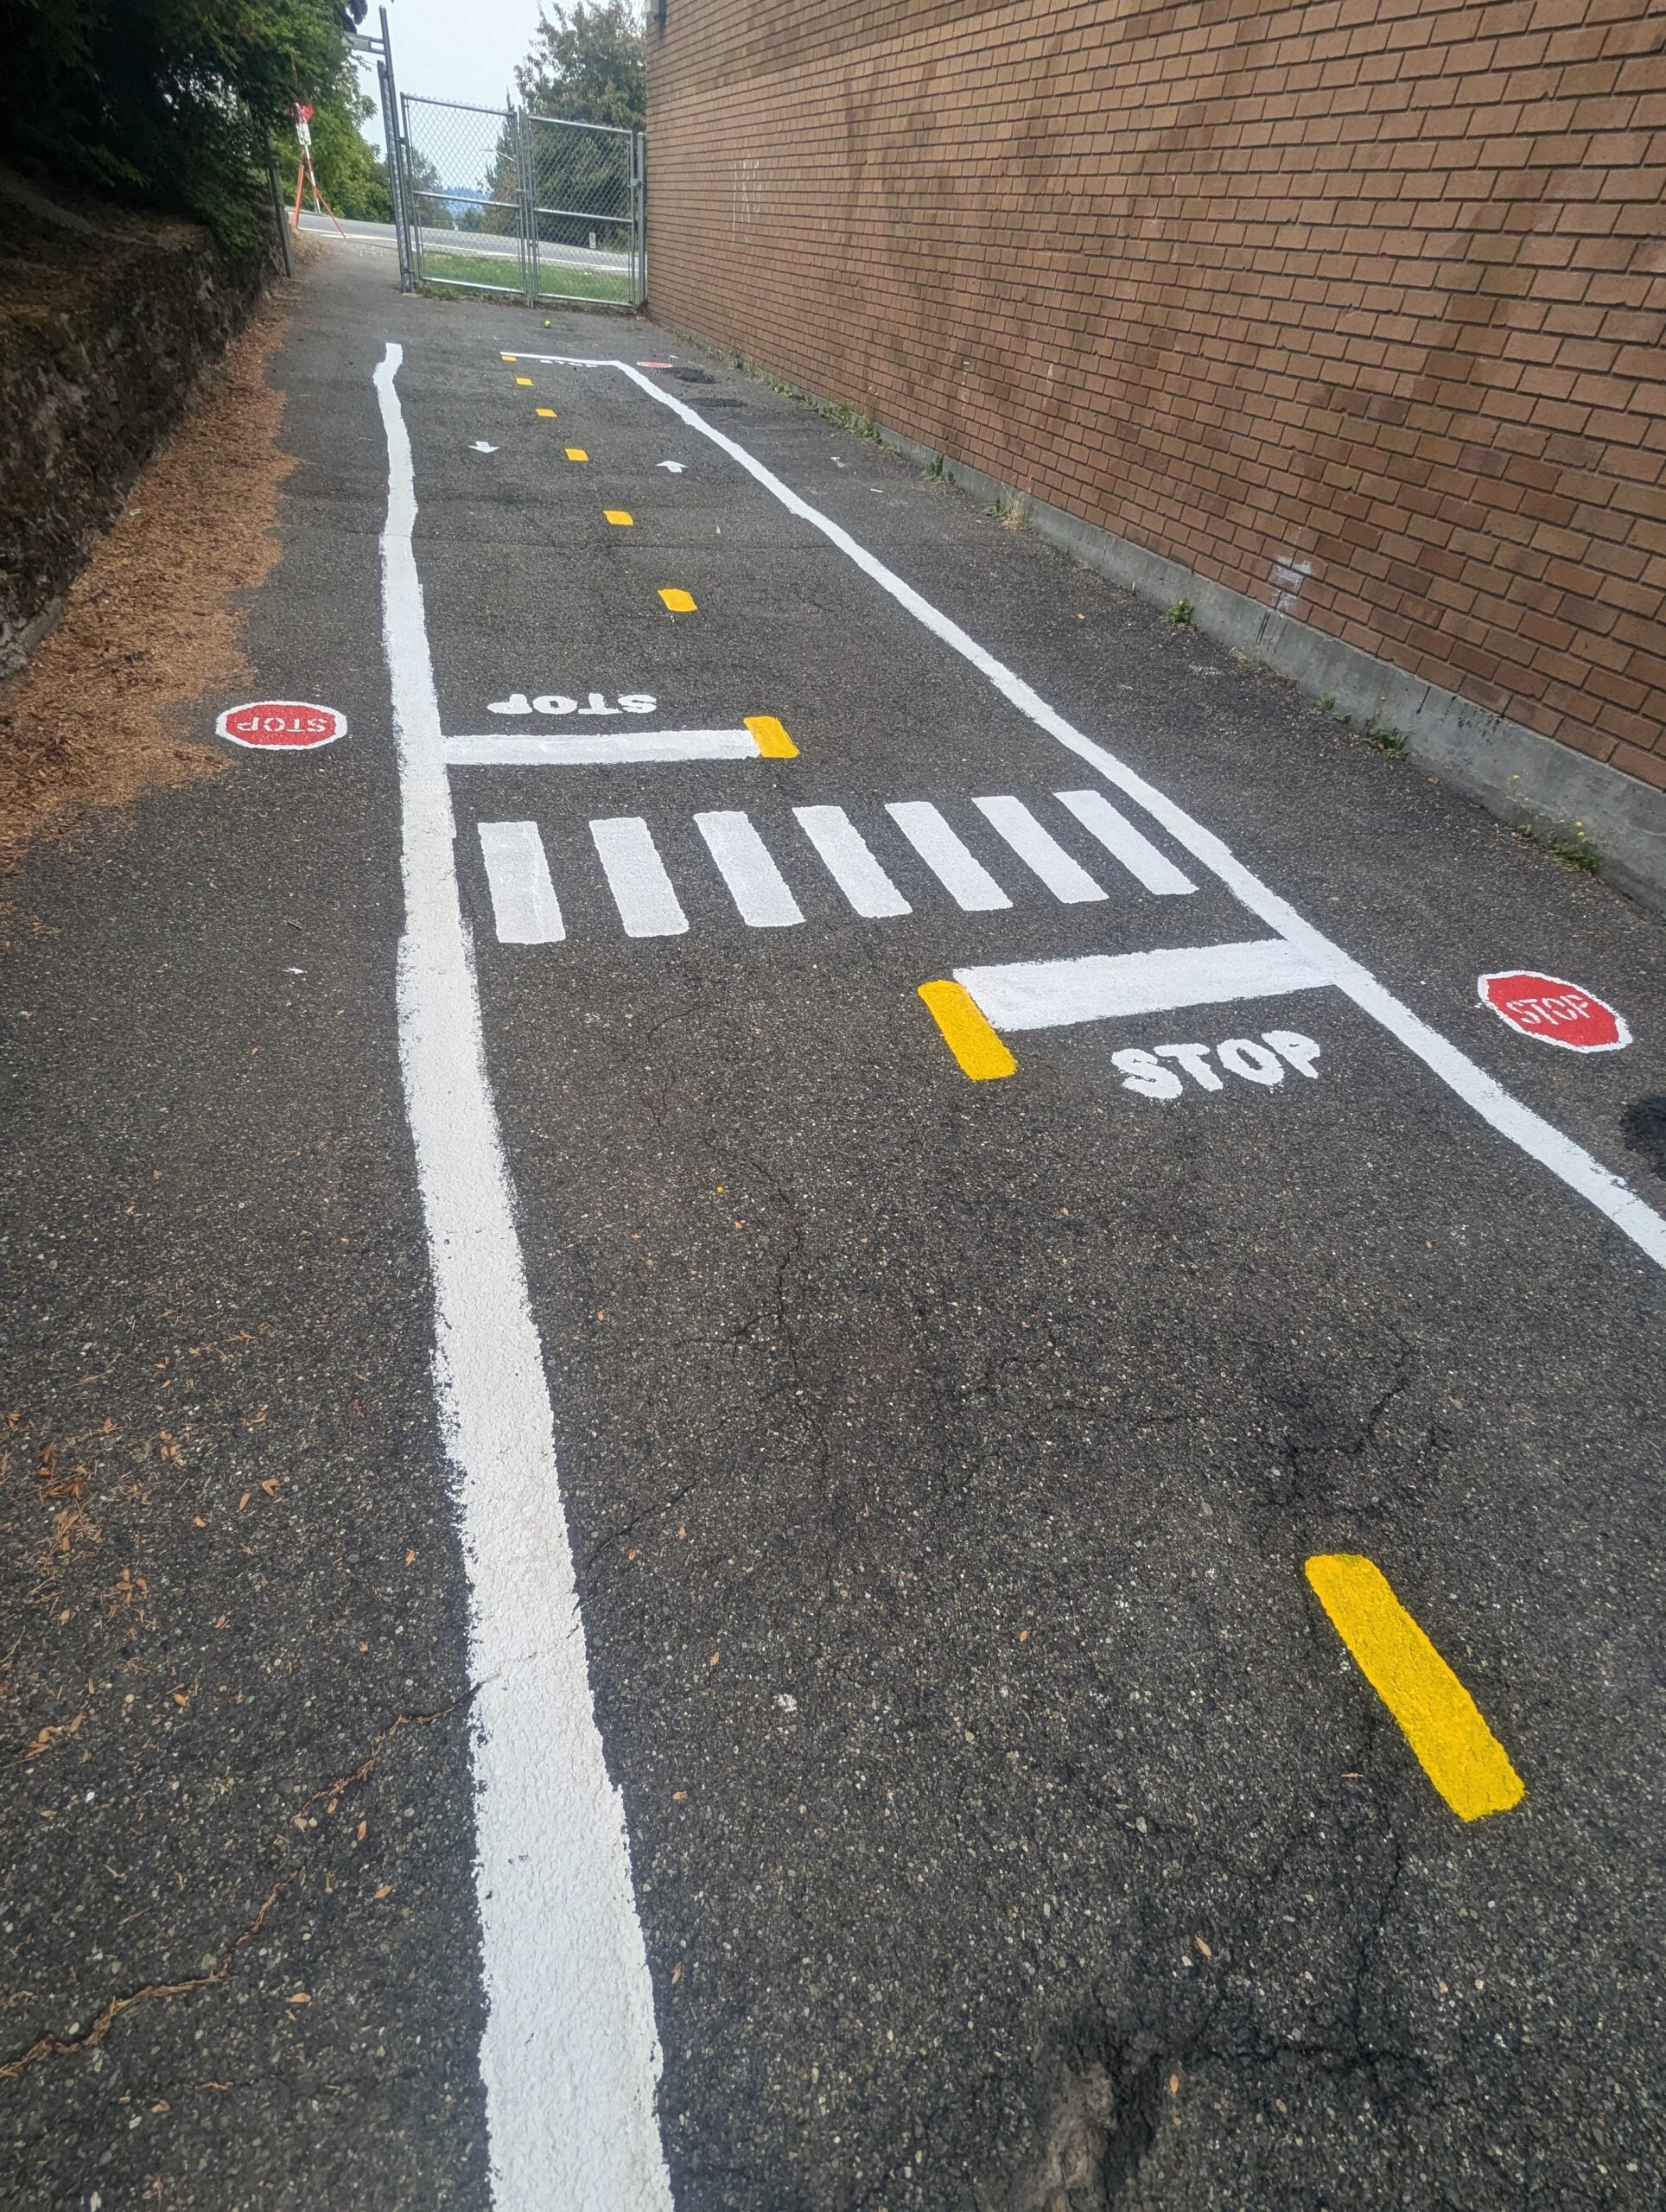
<point x="1114" y="1557"/>
<point x="479" y="242"/>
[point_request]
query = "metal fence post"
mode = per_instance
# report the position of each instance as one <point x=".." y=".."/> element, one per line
<point x="394" y="150"/>
<point x="529" y="208"/>
<point x="639" y="215"/>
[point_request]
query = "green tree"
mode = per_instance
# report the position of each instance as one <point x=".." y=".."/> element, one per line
<point x="586" y="65"/>
<point x="166" y="101"/>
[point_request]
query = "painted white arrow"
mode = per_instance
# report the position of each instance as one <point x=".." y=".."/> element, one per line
<point x="675" y="466"/>
<point x="480" y="446"/>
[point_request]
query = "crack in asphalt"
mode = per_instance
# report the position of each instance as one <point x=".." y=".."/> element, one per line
<point x="78" y="2039"/>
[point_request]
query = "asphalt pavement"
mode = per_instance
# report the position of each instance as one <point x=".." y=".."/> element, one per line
<point x="1094" y="1641"/>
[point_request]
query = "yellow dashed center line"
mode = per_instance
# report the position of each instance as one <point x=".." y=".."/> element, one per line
<point x="981" y="1053"/>
<point x="576" y="453"/>
<point x="618" y="518"/>
<point x="548" y="413"/>
<point x="1440" y="1720"/>
<point x="679" y="602"/>
<point x="527" y="380"/>
<point x="773" y="743"/>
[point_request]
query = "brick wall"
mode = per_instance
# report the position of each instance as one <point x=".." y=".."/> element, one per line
<point x="1361" y="302"/>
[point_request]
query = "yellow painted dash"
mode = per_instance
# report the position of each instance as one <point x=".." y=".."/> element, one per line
<point x="773" y="743"/>
<point x="680" y="602"/>
<point x="618" y="515"/>
<point x="576" y="453"/>
<point x="1440" y="1720"/>
<point x="979" y="1052"/>
<point x="522" y="379"/>
<point x="509" y="357"/>
<point x="548" y="413"/>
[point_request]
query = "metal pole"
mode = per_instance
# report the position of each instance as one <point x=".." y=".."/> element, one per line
<point x="390" y="138"/>
<point x="277" y="208"/>
<point x="640" y="226"/>
<point x="398" y="173"/>
<point x="410" y="197"/>
<point x="527" y="211"/>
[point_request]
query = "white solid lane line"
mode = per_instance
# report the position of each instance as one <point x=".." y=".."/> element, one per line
<point x="965" y="879"/>
<point x="600" y="751"/>
<point x="1102" y="987"/>
<point x="1541" y="1140"/>
<point x="524" y="904"/>
<point x="844" y="854"/>
<point x="569" y="2054"/>
<point x="1119" y="838"/>
<point x="756" y="884"/>
<point x="1040" y="853"/>
<point x="636" y="876"/>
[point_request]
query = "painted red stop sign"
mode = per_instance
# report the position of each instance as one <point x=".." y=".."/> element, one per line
<point x="282" y="725"/>
<point x="1554" y="1011"/>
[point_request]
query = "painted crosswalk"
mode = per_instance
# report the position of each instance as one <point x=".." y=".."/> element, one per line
<point x="643" y="892"/>
<point x="523" y="903"/>
<point x="963" y="876"/>
<point x="759" y="876"/>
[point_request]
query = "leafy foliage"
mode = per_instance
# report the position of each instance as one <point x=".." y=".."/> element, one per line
<point x="166" y="101"/>
<point x="586" y="65"/>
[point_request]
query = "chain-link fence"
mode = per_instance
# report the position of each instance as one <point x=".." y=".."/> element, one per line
<point x="499" y="200"/>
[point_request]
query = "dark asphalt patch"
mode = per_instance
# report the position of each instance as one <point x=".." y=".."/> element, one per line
<point x="1031" y="1839"/>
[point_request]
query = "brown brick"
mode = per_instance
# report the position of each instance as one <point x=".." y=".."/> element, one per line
<point x="1393" y="288"/>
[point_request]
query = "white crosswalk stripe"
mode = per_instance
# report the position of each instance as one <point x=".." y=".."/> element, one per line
<point x="844" y="854"/>
<point x="1041" y="853"/>
<point x="1153" y="869"/>
<point x="636" y="876"/>
<point x="525" y="909"/>
<point x="756" y="884"/>
<point x="965" y="879"/>
<point x="524" y="904"/>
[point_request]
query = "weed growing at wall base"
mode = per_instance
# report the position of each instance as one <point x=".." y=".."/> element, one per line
<point x="1384" y="739"/>
<point x="1572" y="852"/>
<point x="1183" y="614"/>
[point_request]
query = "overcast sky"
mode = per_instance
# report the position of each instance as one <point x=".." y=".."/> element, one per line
<point x="453" y="53"/>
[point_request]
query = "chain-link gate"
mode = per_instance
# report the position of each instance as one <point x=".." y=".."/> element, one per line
<point x="498" y="201"/>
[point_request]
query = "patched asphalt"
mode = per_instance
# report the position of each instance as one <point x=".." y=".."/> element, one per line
<point x="1009" y="1826"/>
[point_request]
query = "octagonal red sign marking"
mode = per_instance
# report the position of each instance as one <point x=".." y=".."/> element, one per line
<point x="1554" y="1011"/>
<point x="282" y="725"/>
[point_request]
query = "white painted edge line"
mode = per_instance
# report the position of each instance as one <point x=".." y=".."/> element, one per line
<point x="1535" y="1137"/>
<point x="601" y="750"/>
<point x="1104" y="987"/>
<point x="524" y="908"/>
<point x="569" y="2054"/>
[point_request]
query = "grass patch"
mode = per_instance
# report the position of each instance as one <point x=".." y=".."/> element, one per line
<point x="490" y="274"/>
<point x="1326" y="705"/>
<point x="936" y="470"/>
<point x="1575" y="852"/>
